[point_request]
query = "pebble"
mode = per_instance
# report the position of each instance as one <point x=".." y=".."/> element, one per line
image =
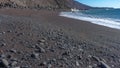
<point x="41" y="43"/>
<point x="77" y="63"/>
<point x="3" y="44"/>
<point x="96" y="58"/>
<point x="79" y="57"/>
<point x="43" y="63"/>
<point x="14" y="59"/>
<point x="9" y="31"/>
<point x="25" y="67"/>
<point x="54" y="60"/>
<point x="90" y="66"/>
<point x="2" y="33"/>
<point x="42" y="40"/>
<point x="52" y="50"/>
<point x="19" y="34"/>
<point x="41" y="50"/>
<point x="65" y="59"/>
<point x="13" y="63"/>
<point x="4" y="63"/>
<point x="8" y="56"/>
<point x="104" y="65"/>
<point x="80" y="49"/>
<point x="119" y="60"/>
<point x="66" y="53"/>
<point x="35" y="55"/>
<point x="13" y="51"/>
<point x="49" y="66"/>
<point x="2" y="56"/>
<point x="16" y="67"/>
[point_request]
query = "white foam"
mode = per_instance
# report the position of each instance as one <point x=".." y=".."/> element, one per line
<point x="100" y="21"/>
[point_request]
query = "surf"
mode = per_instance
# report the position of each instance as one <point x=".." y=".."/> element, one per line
<point x="108" y="22"/>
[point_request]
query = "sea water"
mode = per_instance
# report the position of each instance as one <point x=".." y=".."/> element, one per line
<point x="105" y="17"/>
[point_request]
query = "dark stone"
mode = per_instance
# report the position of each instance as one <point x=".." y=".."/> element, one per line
<point x="43" y="63"/>
<point x="35" y="55"/>
<point x="13" y="51"/>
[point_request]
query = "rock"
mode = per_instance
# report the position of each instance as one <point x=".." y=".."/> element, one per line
<point x="96" y="58"/>
<point x="90" y="66"/>
<point x="95" y="65"/>
<point x="41" y="50"/>
<point x="104" y="65"/>
<point x="16" y="67"/>
<point x="42" y="40"/>
<point x="66" y="54"/>
<point x="113" y="66"/>
<point x="13" y="51"/>
<point x="4" y="63"/>
<point x="119" y="60"/>
<point x="79" y="57"/>
<point x="35" y="55"/>
<point x="14" y="59"/>
<point x="25" y="67"/>
<point x="13" y="63"/>
<point x="52" y="50"/>
<point x="54" y="60"/>
<point x="77" y="63"/>
<point x="80" y="49"/>
<point x="8" y="56"/>
<point x="1" y="51"/>
<point x="41" y="43"/>
<point x="3" y="44"/>
<point x="9" y="31"/>
<point x="65" y="59"/>
<point x="49" y="66"/>
<point x="2" y="56"/>
<point x="43" y="63"/>
<point x="3" y="32"/>
<point x="19" y="34"/>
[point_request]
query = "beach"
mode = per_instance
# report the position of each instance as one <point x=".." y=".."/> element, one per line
<point x="43" y="39"/>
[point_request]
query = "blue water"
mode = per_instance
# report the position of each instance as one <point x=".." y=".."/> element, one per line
<point x="105" y="17"/>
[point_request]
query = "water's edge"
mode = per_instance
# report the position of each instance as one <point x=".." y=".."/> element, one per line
<point x="99" y="21"/>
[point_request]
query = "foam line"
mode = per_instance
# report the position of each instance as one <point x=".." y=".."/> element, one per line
<point x="100" y="21"/>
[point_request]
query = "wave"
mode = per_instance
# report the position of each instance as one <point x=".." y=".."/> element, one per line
<point x="112" y="23"/>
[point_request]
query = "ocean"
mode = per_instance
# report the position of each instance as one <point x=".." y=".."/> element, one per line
<point x="104" y="17"/>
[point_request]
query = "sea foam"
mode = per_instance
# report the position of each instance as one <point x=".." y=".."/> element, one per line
<point x="95" y="20"/>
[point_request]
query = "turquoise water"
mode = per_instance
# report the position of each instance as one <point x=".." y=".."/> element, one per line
<point x="105" y="17"/>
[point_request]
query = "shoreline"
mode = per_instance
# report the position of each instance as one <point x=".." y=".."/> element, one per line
<point x="54" y="41"/>
<point x="111" y="23"/>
